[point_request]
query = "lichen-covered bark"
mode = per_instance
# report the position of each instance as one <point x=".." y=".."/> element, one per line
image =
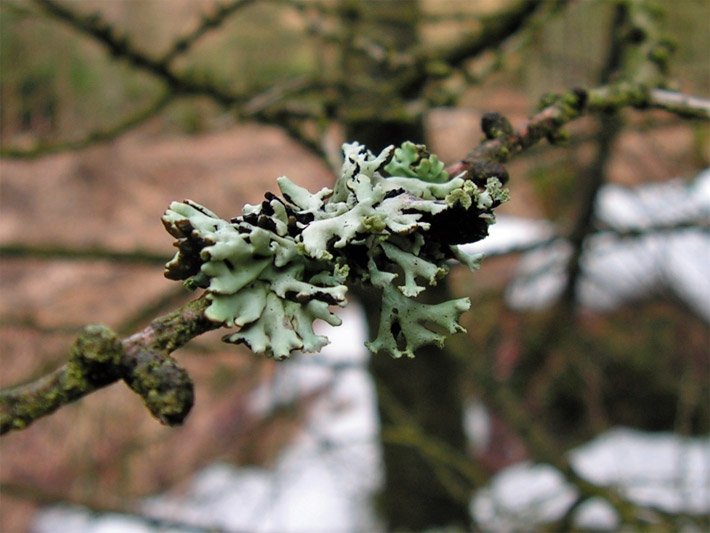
<point x="99" y="358"/>
<point x="94" y="362"/>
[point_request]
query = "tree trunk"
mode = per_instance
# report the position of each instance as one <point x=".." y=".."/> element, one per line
<point x="418" y="491"/>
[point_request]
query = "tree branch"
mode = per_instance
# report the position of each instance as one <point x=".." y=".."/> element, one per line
<point x="144" y="361"/>
<point x="94" y="137"/>
<point x="120" y="46"/>
<point x="681" y="104"/>
<point x="609" y="127"/>
<point x="496" y="29"/>
<point x="183" y="44"/>
<point x="99" y="358"/>
<point x="95" y="253"/>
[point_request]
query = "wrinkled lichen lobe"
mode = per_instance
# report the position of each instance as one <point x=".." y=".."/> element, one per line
<point x="391" y="221"/>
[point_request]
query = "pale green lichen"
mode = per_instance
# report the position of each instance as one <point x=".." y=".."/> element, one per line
<point x="414" y="161"/>
<point x="406" y="325"/>
<point x="392" y="221"/>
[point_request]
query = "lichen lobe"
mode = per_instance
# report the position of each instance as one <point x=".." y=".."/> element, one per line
<point x="392" y="221"/>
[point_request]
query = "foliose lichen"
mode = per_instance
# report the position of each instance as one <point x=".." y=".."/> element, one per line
<point x="392" y="221"/>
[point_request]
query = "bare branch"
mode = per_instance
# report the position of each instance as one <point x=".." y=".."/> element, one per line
<point x="145" y="363"/>
<point x="681" y="104"/>
<point x="183" y="44"/>
<point x="495" y="29"/>
<point x="94" y="137"/>
<point x="120" y="46"/>
<point x="51" y="252"/>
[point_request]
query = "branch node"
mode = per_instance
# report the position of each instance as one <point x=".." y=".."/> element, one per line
<point x="483" y="169"/>
<point x="166" y="387"/>
<point x="95" y="357"/>
<point x="495" y="126"/>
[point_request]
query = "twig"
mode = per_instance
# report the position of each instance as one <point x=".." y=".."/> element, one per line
<point x="98" y="358"/>
<point x="21" y="405"/>
<point x="183" y="44"/>
<point x="94" y="137"/>
<point x="143" y="360"/>
<point x="121" y="46"/>
<point x="97" y="253"/>
<point x="495" y="29"/>
<point x="485" y="64"/>
<point x="681" y="104"/>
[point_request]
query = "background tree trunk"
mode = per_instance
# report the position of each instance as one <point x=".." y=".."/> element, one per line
<point x="421" y="395"/>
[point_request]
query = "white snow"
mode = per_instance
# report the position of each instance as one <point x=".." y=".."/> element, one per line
<point x="511" y="232"/>
<point x="616" y="270"/>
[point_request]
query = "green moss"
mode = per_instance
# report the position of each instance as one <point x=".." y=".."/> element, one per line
<point x="166" y="388"/>
<point x="503" y="153"/>
<point x="95" y="358"/>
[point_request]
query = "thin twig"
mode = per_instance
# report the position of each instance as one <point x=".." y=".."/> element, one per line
<point x="121" y="46"/>
<point x="95" y="253"/>
<point x="183" y="44"/>
<point x="94" y="137"/>
<point x="683" y="105"/>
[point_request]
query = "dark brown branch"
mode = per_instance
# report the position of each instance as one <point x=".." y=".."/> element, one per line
<point x="54" y="252"/>
<point x="99" y="358"/>
<point x="642" y="63"/>
<point x="94" y="137"/>
<point x="120" y="46"/>
<point x="262" y="105"/>
<point x="495" y="30"/>
<point x="183" y="44"/>
<point x="609" y="127"/>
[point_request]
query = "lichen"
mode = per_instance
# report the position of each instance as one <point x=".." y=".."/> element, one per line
<point x="406" y="325"/>
<point x="166" y="387"/>
<point x="392" y="221"/>
<point x="413" y="160"/>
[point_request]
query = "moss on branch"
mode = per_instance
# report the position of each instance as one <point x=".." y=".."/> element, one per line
<point x="99" y="358"/>
<point x="94" y="362"/>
